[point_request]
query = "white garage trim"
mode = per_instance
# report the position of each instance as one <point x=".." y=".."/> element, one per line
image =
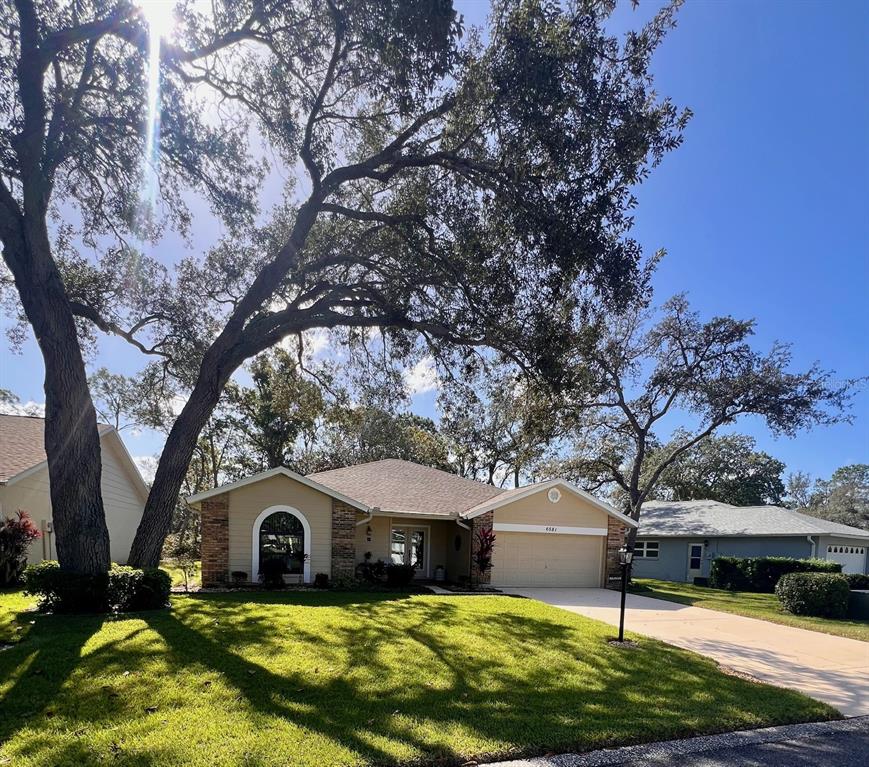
<point x="510" y="496"/>
<point x="507" y="527"/>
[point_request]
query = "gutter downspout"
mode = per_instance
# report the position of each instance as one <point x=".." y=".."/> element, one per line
<point x="462" y="524"/>
<point x="370" y="513"/>
<point x="814" y="545"/>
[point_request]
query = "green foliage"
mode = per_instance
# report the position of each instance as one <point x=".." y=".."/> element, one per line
<point x="122" y="589"/>
<point x="371" y="433"/>
<point x="857" y="581"/>
<point x="16" y="535"/>
<point x="272" y="414"/>
<point x="272" y="573"/>
<point x="371" y="571"/>
<point x="823" y="595"/>
<point x="638" y="366"/>
<point x="844" y="498"/>
<point x="761" y="574"/>
<point x="399" y="576"/>
<point x="726" y="469"/>
<point x="499" y="424"/>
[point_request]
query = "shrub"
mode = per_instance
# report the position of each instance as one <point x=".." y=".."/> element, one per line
<point x="371" y="572"/>
<point x="16" y="534"/>
<point x="321" y="581"/>
<point x="122" y="589"/>
<point x="483" y="548"/>
<point x="731" y="573"/>
<point x="238" y="576"/>
<point x="824" y="595"/>
<point x="761" y="574"/>
<point x="857" y="581"/>
<point x="399" y="575"/>
<point x="272" y="573"/>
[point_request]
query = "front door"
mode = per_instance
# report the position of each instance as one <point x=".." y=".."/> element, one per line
<point x="408" y="546"/>
<point x="695" y="561"/>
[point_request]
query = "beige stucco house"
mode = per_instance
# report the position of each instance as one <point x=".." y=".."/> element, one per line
<point x="550" y="533"/>
<point x="24" y="484"/>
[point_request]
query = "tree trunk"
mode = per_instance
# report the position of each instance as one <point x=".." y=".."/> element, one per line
<point x="173" y="464"/>
<point x="72" y="442"/>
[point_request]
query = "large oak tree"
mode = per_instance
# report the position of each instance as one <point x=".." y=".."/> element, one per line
<point x="466" y="191"/>
<point x="641" y="368"/>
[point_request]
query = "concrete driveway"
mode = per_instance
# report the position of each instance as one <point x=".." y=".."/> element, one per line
<point x="829" y="668"/>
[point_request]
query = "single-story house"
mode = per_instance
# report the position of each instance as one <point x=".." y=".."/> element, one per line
<point x="550" y="533"/>
<point x="678" y="540"/>
<point x="24" y="484"/>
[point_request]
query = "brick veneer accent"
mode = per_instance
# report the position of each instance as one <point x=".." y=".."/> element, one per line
<point x="477" y="524"/>
<point x="215" y="540"/>
<point x="343" y="540"/>
<point x="615" y="539"/>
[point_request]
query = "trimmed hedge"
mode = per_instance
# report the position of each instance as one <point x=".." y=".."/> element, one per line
<point x="858" y="581"/>
<point x="761" y="574"/>
<point x="121" y="589"/>
<point x="824" y="595"/>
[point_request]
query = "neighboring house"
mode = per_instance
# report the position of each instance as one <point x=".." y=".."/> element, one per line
<point x="678" y="540"/>
<point x="24" y="484"/>
<point x="550" y="534"/>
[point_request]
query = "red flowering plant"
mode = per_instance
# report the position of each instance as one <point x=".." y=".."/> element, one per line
<point x="482" y="554"/>
<point x="16" y="534"/>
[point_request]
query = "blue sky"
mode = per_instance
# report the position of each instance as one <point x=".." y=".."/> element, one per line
<point x="764" y="211"/>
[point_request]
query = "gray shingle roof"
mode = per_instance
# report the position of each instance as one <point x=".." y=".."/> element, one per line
<point x="22" y="444"/>
<point x="710" y="519"/>
<point x="401" y="486"/>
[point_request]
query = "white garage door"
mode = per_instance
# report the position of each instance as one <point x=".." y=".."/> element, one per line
<point x="852" y="558"/>
<point x="539" y="559"/>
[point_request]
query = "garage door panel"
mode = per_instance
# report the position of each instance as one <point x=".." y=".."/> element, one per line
<point x="536" y="559"/>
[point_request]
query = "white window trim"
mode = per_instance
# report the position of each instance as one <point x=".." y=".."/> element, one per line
<point x="410" y="527"/>
<point x="254" y="560"/>
<point x="644" y="545"/>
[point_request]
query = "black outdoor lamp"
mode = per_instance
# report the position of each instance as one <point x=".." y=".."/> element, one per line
<point x="625" y="557"/>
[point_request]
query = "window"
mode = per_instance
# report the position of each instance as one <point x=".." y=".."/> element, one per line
<point x="695" y="556"/>
<point x="281" y="536"/>
<point x="646" y="550"/>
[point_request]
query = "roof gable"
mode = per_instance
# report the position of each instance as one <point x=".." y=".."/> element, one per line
<point x="22" y="449"/>
<point x="511" y="496"/>
<point x="279" y="471"/>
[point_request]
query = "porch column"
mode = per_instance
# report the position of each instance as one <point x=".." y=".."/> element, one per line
<point x="480" y="523"/>
<point x="343" y="541"/>
<point x="214" y="513"/>
<point x="615" y="539"/>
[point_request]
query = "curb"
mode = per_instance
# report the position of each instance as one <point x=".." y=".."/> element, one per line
<point x="651" y="751"/>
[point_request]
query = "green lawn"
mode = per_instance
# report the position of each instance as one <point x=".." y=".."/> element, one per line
<point x="764" y="606"/>
<point x="323" y="678"/>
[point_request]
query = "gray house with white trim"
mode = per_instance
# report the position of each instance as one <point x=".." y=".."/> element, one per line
<point x="678" y="540"/>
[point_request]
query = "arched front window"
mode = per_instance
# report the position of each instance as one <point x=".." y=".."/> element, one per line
<point x="281" y="536"/>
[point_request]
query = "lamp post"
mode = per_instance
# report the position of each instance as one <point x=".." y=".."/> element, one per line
<point x="625" y="557"/>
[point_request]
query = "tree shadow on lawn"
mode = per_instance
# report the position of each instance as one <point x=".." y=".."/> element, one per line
<point x="394" y="678"/>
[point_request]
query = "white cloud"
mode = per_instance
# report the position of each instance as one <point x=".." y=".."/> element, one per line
<point x="147" y="465"/>
<point x="177" y="403"/>
<point x="422" y="377"/>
